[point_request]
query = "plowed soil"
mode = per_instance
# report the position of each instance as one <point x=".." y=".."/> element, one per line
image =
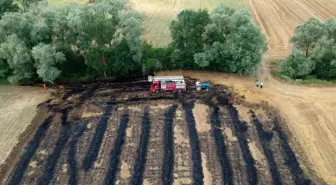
<point x="117" y="133"/>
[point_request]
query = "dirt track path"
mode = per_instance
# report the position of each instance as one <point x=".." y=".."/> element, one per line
<point x="309" y="111"/>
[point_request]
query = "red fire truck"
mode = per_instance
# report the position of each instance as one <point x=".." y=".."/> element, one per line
<point x="167" y="83"/>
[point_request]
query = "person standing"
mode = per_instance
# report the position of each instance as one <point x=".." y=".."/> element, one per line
<point x="261" y="85"/>
<point x="257" y="83"/>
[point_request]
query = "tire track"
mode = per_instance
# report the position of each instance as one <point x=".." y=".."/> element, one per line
<point x="319" y="7"/>
<point x="221" y="147"/>
<point x="116" y="151"/>
<point x="195" y="145"/>
<point x="139" y="167"/>
<point x="168" y="159"/>
<point x="28" y="154"/>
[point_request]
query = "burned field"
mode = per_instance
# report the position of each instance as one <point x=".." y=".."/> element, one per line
<point x="116" y="133"/>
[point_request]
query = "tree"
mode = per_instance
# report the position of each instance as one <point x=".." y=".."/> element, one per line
<point x="106" y="34"/>
<point x="101" y="30"/>
<point x="7" y="6"/>
<point x="314" y="51"/>
<point x="17" y="55"/>
<point x="233" y="42"/>
<point x="297" y="65"/>
<point x="187" y="39"/>
<point x="46" y="58"/>
<point x="308" y="34"/>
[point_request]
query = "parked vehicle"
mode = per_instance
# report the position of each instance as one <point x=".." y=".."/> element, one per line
<point x="202" y="85"/>
<point x="167" y="83"/>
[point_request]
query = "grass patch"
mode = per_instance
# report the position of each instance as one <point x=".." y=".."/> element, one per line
<point x="308" y="80"/>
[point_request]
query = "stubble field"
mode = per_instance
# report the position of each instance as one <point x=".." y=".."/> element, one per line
<point x="276" y="19"/>
<point x="115" y="133"/>
<point x="17" y="109"/>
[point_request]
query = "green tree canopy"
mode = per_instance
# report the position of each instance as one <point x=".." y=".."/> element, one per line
<point x="308" y="34"/>
<point x="186" y="34"/>
<point x="226" y="40"/>
<point x="107" y="34"/>
<point x="46" y="58"/>
<point x="7" y="6"/>
<point x="314" y="51"/>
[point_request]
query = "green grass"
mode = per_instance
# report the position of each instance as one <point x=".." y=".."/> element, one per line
<point x="308" y="80"/>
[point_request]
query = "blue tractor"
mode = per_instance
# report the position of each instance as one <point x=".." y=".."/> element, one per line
<point x="202" y="85"/>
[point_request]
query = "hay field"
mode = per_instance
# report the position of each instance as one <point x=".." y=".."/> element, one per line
<point x="159" y="13"/>
<point x="278" y="19"/>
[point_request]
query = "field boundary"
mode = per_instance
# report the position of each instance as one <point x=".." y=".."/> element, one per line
<point x="23" y="140"/>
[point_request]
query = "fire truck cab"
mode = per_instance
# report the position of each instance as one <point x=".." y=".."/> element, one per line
<point x="167" y="83"/>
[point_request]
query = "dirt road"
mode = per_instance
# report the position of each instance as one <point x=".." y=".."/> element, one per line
<point x="309" y="111"/>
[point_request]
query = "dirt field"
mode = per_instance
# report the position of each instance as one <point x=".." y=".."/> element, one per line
<point x="310" y="114"/>
<point x="117" y="134"/>
<point x="17" y="109"/>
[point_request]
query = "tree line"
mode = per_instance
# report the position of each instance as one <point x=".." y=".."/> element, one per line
<point x="314" y="51"/>
<point x="45" y="42"/>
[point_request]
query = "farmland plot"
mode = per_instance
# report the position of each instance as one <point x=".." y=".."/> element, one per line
<point x="159" y="14"/>
<point x="17" y="109"/>
<point x="116" y="133"/>
<point x="278" y="19"/>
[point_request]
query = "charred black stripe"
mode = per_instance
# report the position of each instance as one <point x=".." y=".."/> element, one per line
<point x="78" y="132"/>
<point x="221" y="147"/>
<point x="290" y="159"/>
<point x="52" y="159"/>
<point x="195" y="145"/>
<point x="139" y="167"/>
<point x="168" y="160"/>
<point x="264" y="137"/>
<point x="29" y="152"/>
<point x="74" y="91"/>
<point x="115" y="154"/>
<point x="96" y="142"/>
<point x="240" y="130"/>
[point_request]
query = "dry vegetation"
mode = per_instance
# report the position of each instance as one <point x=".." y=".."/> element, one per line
<point x="129" y="137"/>
<point x="278" y="19"/>
<point x="159" y="13"/>
<point x="17" y="109"/>
<point x="310" y="114"/>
